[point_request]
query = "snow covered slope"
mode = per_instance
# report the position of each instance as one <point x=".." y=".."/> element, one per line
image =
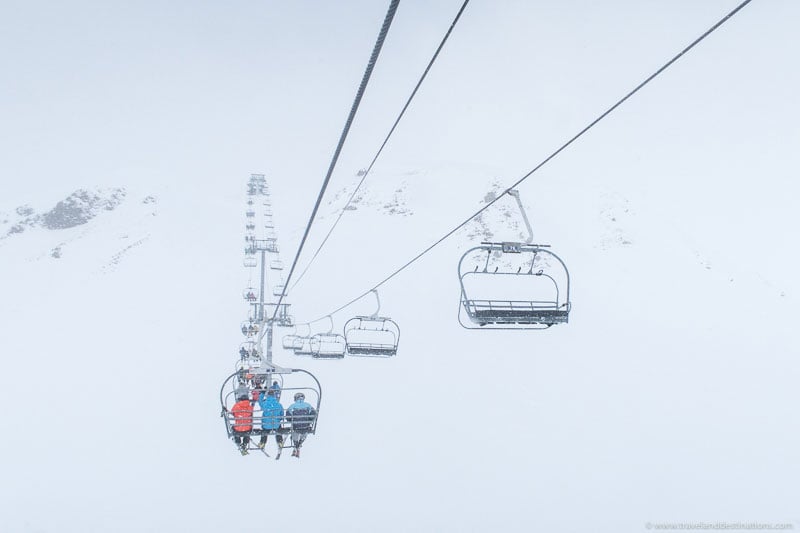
<point x="664" y="374"/>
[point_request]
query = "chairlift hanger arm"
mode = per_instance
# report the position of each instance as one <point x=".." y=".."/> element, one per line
<point x="515" y="194"/>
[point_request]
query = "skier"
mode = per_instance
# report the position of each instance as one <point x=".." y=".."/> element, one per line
<point x="258" y="387"/>
<point x="244" y="353"/>
<point x="271" y="417"/>
<point x="276" y="389"/>
<point x="243" y="422"/>
<point x="301" y="415"/>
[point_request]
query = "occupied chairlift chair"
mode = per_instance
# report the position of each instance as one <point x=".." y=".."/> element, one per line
<point x="249" y="348"/>
<point x="372" y="336"/>
<point x="282" y="318"/>
<point x="512" y="285"/>
<point x="249" y="328"/>
<point x="249" y="294"/>
<point x="290" y="381"/>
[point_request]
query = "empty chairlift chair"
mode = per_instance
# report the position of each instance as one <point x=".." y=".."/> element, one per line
<point x="291" y="341"/>
<point x="299" y="344"/>
<point x="372" y="336"/>
<point x="512" y="286"/>
<point x="302" y="346"/>
<point x="328" y="345"/>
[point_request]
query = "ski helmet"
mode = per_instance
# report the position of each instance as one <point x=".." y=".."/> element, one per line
<point x="299" y="397"/>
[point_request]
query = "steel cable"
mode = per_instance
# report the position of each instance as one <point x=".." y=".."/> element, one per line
<point x="383" y="145"/>
<point x="387" y="22"/>
<point x="548" y="158"/>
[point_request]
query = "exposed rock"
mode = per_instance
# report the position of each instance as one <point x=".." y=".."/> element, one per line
<point x="80" y="207"/>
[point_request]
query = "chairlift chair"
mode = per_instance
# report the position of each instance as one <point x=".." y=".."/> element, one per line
<point x="282" y="318"/>
<point x="328" y="346"/>
<point x="276" y="264"/>
<point x="250" y="261"/>
<point x="278" y="289"/>
<point x="249" y="348"/>
<point x="250" y="213"/>
<point x="249" y="328"/>
<point x="291" y="341"/>
<point x="250" y="295"/>
<point x="513" y="285"/>
<point x="372" y="336"/>
<point x="248" y="380"/>
<point x="302" y="346"/>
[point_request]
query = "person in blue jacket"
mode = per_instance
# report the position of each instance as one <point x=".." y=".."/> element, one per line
<point x="271" y="417"/>
<point x="301" y="415"/>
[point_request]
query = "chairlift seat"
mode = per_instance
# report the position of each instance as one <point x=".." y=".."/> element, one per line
<point x="499" y="312"/>
<point x="381" y="350"/>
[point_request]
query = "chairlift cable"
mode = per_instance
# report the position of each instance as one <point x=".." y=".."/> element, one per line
<point x="551" y="156"/>
<point x="385" y="141"/>
<point x="387" y="22"/>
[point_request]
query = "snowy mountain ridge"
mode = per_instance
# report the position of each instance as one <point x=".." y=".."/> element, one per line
<point x="79" y="222"/>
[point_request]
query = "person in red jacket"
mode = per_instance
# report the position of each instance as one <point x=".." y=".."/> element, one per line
<point x="242" y="422"/>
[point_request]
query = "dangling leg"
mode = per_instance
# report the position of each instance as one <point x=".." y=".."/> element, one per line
<point x="262" y="443"/>
<point x="279" y="439"/>
<point x="295" y="443"/>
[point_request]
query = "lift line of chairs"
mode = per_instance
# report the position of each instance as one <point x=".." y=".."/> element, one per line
<point x="253" y="375"/>
<point x="362" y="336"/>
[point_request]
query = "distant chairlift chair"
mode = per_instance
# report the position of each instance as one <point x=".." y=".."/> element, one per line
<point x="372" y="336"/>
<point x="328" y="345"/>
